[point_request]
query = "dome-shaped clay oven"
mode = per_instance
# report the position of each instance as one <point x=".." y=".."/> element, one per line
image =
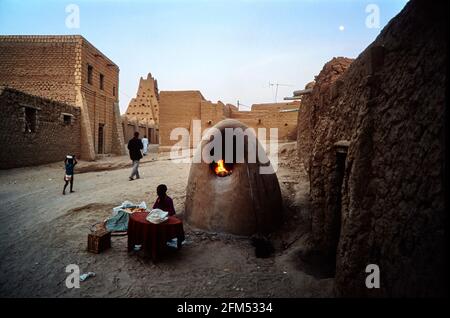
<point x="233" y="198"/>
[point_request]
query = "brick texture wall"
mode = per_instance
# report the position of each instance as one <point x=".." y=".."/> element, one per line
<point x="179" y="108"/>
<point x="269" y="116"/>
<point x="100" y="102"/>
<point x="52" y="139"/>
<point x="42" y="66"/>
<point x="56" y="67"/>
<point x="389" y="206"/>
<point x="145" y="106"/>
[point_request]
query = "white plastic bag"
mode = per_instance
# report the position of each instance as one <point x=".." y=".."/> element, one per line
<point x="157" y="216"/>
<point x="143" y="205"/>
<point x="128" y="204"/>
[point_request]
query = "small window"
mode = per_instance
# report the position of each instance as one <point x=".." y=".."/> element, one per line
<point x="30" y="120"/>
<point x="114" y="91"/>
<point x="67" y="119"/>
<point x="102" y="78"/>
<point x="90" y="74"/>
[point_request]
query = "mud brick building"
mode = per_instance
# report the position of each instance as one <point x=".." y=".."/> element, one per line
<point x="68" y="69"/>
<point x="179" y="108"/>
<point x="372" y="136"/>
<point x="131" y="125"/>
<point x="143" y="112"/>
<point x="36" y="130"/>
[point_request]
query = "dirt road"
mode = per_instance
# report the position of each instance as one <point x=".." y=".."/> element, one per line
<point x="42" y="231"/>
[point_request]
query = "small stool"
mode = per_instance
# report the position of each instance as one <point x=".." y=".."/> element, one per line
<point x="99" y="241"/>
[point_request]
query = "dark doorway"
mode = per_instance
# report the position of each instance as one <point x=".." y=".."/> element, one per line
<point x="341" y="157"/>
<point x="30" y="120"/>
<point x="100" y="138"/>
<point x="321" y="263"/>
<point x="151" y="136"/>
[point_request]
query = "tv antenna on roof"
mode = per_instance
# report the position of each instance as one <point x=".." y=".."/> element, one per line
<point x="240" y="104"/>
<point x="276" y="88"/>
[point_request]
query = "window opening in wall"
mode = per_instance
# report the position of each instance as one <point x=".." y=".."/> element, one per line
<point x="114" y="91"/>
<point x="67" y="119"/>
<point x="30" y="119"/>
<point x="90" y="74"/>
<point x="102" y="78"/>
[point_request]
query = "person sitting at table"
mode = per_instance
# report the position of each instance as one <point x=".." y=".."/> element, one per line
<point x="164" y="202"/>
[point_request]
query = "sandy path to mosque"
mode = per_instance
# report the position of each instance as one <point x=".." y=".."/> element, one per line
<point x="42" y="231"/>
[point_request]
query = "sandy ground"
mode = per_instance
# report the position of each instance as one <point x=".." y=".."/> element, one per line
<point x="43" y="231"/>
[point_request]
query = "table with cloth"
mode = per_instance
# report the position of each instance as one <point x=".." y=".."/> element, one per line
<point x="153" y="237"/>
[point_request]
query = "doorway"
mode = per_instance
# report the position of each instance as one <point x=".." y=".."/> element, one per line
<point x="338" y="180"/>
<point x="151" y="135"/>
<point x="100" y="138"/>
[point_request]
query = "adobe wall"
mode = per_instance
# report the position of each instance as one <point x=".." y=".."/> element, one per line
<point x="145" y="106"/>
<point x="19" y="147"/>
<point x="130" y="126"/>
<point x="389" y="105"/>
<point x="38" y="65"/>
<point x="55" y="67"/>
<point x="270" y="116"/>
<point x="179" y="108"/>
<point x="100" y="102"/>
<point x="317" y="133"/>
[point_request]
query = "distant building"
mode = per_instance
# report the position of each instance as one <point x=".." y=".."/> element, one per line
<point x="70" y="70"/>
<point x="179" y="108"/>
<point x="143" y="111"/>
<point x="156" y="114"/>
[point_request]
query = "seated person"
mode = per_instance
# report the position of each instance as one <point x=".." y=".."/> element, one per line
<point x="164" y="202"/>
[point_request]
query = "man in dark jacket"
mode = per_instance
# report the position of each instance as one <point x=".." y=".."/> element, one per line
<point x="135" y="146"/>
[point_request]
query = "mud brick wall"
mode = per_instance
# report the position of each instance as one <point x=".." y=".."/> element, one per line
<point x="317" y="133"/>
<point x="179" y="108"/>
<point x="389" y="106"/>
<point x="56" y="67"/>
<point x="145" y="106"/>
<point x="132" y="125"/>
<point x="269" y="116"/>
<point x="211" y="113"/>
<point x="52" y="140"/>
<point x="314" y="107"/>
<point x="100" y="101"/>
<point x="41" y="66"/>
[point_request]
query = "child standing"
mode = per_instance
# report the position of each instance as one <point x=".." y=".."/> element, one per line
<point x="69" y="163"/>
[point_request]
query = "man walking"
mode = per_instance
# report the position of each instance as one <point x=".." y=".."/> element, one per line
<point x="145" y="143"/>
<point x="135" y="146"/>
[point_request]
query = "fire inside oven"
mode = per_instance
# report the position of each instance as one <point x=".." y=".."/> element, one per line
<point x="221" y="168"/>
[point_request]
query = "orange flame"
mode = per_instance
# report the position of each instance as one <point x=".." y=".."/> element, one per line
<point x="220" y="169"/>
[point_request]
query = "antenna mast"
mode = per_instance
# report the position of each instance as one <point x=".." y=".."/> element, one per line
<point x="276" y="88"/>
